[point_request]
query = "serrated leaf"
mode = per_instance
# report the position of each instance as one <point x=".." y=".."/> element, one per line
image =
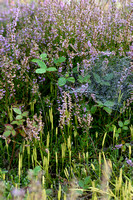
<point x="19" y="117"/>
<point x="25" y="114"/>
<point x="109" y="104"/>
<point x="97" y="77"/>
<point x="108" y="110"/>
<point x="43" y="56"/>
<point x="120" y="123"/>
<point x="17" y="111"/>
<point x="40" y="71"/>
<point x="61" y="81"/>
<point x="40" y="63"/>
<point x="7" y="133"/>
<point x="87" y="79"/>
<point x="71" y="79"/>
<point x="51" y="69"/>
<point x="127" y="122"/>
<point x="13" y="132"/>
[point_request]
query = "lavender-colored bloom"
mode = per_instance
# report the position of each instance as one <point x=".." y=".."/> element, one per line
<point x="129" y="162"/>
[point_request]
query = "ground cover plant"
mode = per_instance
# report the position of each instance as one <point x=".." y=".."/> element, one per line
<point x="66" y="95"/>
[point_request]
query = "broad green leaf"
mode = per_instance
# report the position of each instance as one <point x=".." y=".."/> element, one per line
<point x="40" y="63"/>
<point x="80" y="79"/>
<point x="100" y="103"/>
<point x="109" y="76"/>
<point x="61" y="81"/>
<point x="40" y="71"/>
<point x="9" y="126"/>
<point x="75" y="70"/>
<point x="87" y="180"/>
<point x="93" y="109"/>
<point x="127" y="122"/>
<point x="125" y="128"/>
<point x="109" y="103"/>
<point x="87" y="79"/>
<point x="17" y="110"/>
<point x="119" y="130"/>
<point x="43" y="56"/>
<point x="51" y="69"/>
<point x="36" y="170"/>
<point x="81" y="183"/>
<point x="60" y="60"/>
<point x="97" y="77"/>
<point x="19" y="117"/>
<point x="108" y="110"/>
<point x="7" y="133"/>
<point x="71" y="79"/>
<point x="25" y="114"/>
<point x="120" y="123"/>
<point x="13" y="132"/>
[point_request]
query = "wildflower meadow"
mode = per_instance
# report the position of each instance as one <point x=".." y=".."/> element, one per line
<point x="66" y="98"/>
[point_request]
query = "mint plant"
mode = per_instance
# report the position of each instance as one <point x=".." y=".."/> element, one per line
<point x="43" y="68"/>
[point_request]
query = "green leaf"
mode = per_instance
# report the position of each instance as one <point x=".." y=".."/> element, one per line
<point x="17" y="110"/>
<point x="97" y="77"/>
<point x="40" y="63"/>
<point x="87" y="180"/>
<point x="19" y="117"/>
<point x="51" y="69"/>
<point x="20" y="122"/>
<point x="13" y="132"/>
<point x="36" y="170"/>
<point x="87" y="79"/>
<point x="81" y="183"/>
<point x="78" y="191"/>
<point x="61" y="81"/>
<point x="125" y="128"/>
<point x="100" y="103"/>
<point x="109" y="104"/>
<point x="60" y="60"/>
<point x="108" y="110"/>
<point x="109" y="76"/>
<point x="93" y="109"/>
<point x="43" y="56"/>
<point x="71" y="79"/>
<point x="119" y="130"/>
<point x="25" y="114"/>
<point x="105" y="83"/>
<point x="80" y="79"/>
<point x="9" y="126"/>
<point x="120" y="123"/>
<point x="75" y="70"/>
<point x="127" y="122"/>
<point x="7" y="133"/>
<point x="40" y="71"/>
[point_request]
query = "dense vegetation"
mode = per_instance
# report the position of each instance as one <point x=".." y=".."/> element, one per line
<point x="66" y="95"/>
